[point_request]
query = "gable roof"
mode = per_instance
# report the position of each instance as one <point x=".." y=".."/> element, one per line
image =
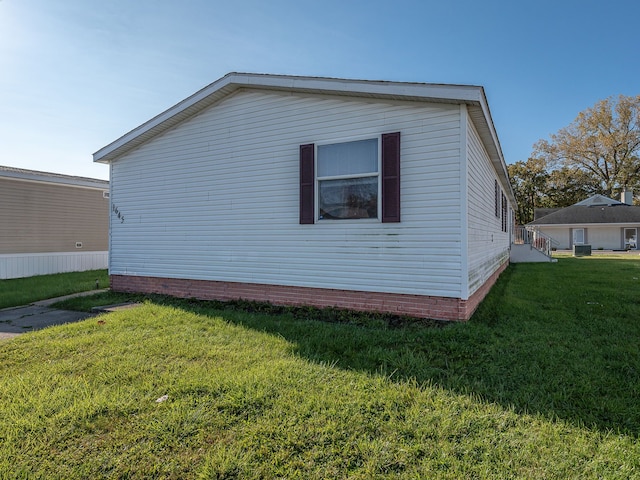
<point x="598" y="200"/>
<point x="472" y="96"/>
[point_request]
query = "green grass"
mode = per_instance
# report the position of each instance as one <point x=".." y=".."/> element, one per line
<point x="22" y="291"/>
<point x="543" y="382"/>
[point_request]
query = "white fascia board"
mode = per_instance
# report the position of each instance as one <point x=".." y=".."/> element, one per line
<point x="492" y="143"/>
<point x="435" y="92"/>
<point x="161" y="118"/>
<point x="233" y="81"/>
<point x="427" y="91"/>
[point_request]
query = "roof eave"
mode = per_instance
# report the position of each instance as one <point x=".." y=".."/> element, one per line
<point x="50" y="177"/>
<point x="584" y="224"/>
<point x="481" y="116"/>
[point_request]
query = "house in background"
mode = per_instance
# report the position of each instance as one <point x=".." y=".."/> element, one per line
<point x="51" y="223"/>
<point x="367" y="195"/>
<point x="598" y="221"/>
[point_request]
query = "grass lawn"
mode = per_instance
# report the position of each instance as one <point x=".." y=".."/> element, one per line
<point x="22" y="291"/>
<point x="543" y="382"/>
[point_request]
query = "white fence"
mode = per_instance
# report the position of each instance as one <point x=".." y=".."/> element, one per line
<point x="18" y="265"/>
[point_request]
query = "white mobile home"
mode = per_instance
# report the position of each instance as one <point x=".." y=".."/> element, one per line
<point x="367" y="195"/>
<point x="51" y="223"/>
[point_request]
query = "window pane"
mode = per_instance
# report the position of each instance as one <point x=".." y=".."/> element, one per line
<point x="352" y="198"/>
<point x="578" y="236"/>
<point x="349" y="158"/>
<point x="630" y="238"/>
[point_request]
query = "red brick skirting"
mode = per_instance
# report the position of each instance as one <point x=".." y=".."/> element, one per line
<point x="420" y="306"/>
<point x="474" y="300"/>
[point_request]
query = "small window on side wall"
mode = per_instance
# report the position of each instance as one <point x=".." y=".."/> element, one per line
<point x="353" y="180"/>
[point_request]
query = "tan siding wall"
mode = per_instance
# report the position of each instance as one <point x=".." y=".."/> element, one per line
<point x="37" y="217"/>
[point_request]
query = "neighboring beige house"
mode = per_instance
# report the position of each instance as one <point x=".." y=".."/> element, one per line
<point x="51" y="223"/>
<point x="598" y="221"/>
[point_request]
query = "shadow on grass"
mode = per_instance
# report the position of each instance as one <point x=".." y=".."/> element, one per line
<point x="560" y="340"/>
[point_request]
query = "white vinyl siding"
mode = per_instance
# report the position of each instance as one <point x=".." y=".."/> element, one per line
<point x="217" y="198"/>
<point x="20" y="265"/>
<point x="488" y="245"/>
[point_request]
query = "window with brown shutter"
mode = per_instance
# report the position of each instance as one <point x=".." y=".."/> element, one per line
<point x="504" y="212"/>
<point x="391" y="177"/>
<point x="307" y="183"/>
<point x="351" y="180"/>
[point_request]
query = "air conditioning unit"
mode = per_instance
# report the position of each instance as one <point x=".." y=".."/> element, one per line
<point x="581" y="250"/>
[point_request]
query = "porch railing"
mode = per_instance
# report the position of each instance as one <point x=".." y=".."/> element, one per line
<point x="532" y="236"/>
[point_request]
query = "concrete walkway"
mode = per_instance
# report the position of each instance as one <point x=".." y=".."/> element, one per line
<point x="38" y="315"/>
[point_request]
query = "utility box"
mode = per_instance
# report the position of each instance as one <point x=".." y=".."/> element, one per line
<point x="581" y="250"/>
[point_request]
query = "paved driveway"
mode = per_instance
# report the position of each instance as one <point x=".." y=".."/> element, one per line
<point x="38" y="315"/>
<point x="15" y="321"/>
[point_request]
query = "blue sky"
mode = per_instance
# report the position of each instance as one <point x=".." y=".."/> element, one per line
<point x="77" y="74"/>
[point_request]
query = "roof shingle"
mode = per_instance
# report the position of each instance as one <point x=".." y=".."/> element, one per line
<point x="580" y="214"/>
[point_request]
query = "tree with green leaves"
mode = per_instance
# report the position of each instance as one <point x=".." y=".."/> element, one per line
<point x="603" y="142"/>
<point x="567" y="186"/>
<point x="528" y="180"/>
<point x="535" y="186"/>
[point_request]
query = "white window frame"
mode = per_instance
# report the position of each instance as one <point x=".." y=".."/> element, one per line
<point x="378" y="175"/>
<point x="575" y="230"/>
<point x="635" y="238"/>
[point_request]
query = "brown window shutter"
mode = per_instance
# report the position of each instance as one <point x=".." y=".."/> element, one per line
<point x="504" y="212"/>
<point x="391" y="177"/>
<point x="307" y="181"/>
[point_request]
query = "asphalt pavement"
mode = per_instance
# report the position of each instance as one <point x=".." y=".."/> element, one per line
<point x="38" y="315"/>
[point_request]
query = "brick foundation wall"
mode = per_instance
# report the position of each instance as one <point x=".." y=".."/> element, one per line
<point x="474" y="300"/>
<point x="419" y="306"/>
